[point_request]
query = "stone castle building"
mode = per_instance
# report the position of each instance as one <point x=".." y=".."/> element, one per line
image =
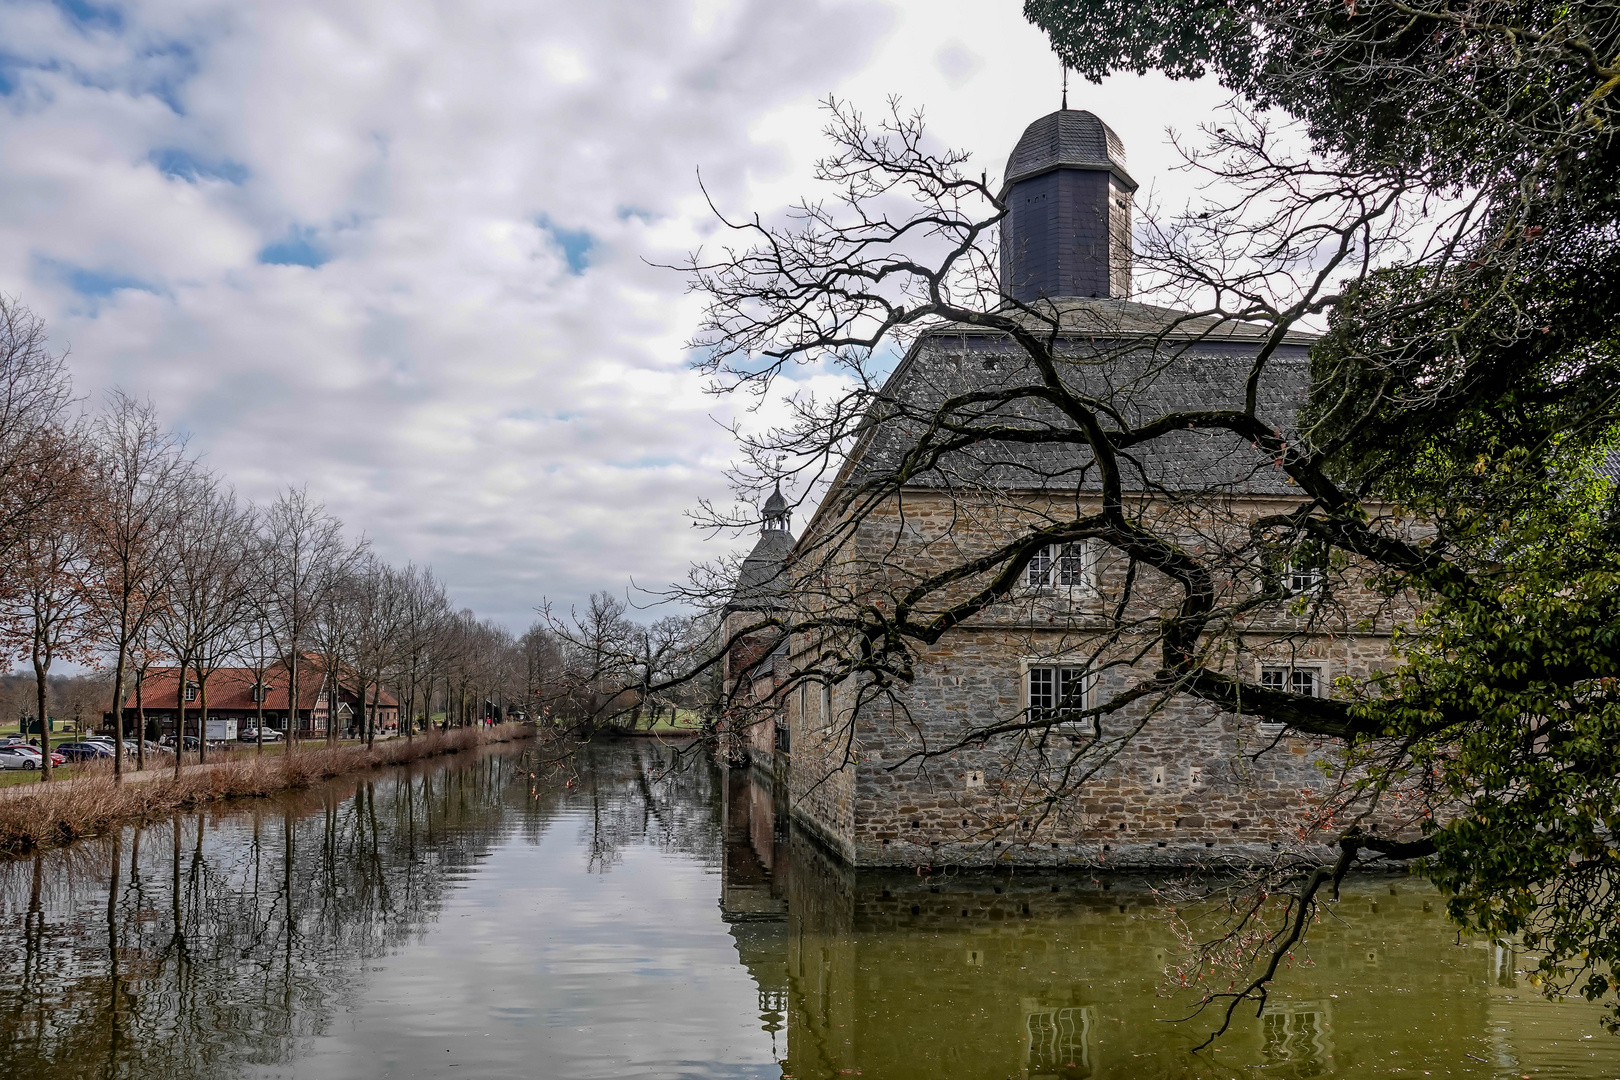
<point x="1168" y="782"/>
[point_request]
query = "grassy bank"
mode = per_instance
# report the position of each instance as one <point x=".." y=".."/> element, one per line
<point x="60" y="812"/>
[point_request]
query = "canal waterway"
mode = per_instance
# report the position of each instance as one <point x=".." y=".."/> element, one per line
<point x="480" y="918"/>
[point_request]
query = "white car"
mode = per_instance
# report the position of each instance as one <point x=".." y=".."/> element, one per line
<point x="17" y="757"/>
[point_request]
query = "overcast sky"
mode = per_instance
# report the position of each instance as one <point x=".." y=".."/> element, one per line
<point x="399" y="249"/>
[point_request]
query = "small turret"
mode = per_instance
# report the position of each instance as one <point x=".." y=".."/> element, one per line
<point x="777" y="516"/>
<point x="762" y="578"/>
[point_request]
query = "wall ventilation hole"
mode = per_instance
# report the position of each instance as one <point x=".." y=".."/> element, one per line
<point x="1209" y="843"/>
<point x="915" y="910"/>
<point x="1158" y="775"/>
<point x="1161" y="843"/>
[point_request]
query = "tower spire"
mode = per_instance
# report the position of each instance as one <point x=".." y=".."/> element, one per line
<point x="1065" y="87"/>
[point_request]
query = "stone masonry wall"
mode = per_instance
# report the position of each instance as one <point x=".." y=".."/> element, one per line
<point x="1176" y="784"/>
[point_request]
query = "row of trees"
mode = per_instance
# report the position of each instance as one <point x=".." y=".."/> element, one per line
<point x="118" y="548"/>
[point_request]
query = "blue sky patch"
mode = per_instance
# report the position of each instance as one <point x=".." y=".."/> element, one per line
<point x="85" y="14"/>
<point x="88" y="281"/>
<point x="300" y="248"/>
<point x="576" y="244"/>
<point x="184" y="165"/>
<point x="625" y="213"/>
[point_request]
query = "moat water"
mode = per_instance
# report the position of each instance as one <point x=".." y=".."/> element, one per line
<point x="470" y="919"/>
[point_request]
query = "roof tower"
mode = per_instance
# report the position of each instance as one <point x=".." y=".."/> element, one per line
<point x="1067" y="232"/>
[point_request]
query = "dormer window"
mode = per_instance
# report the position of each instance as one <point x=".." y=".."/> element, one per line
<point x="256" y="692"/>
<point x="191" y="691"/>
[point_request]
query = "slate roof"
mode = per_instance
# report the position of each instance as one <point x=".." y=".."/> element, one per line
<point x="1068" y="138"/>
<point x="1138" y="359"/>
<point x="761" y="581"/>
<point x="1609" y="469"/>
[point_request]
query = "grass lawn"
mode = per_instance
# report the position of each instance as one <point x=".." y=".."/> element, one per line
<point x="683" y="720"/>
<point x="13" y="777"/>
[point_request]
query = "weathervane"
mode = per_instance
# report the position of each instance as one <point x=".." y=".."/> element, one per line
<point x="1065" y="87"/>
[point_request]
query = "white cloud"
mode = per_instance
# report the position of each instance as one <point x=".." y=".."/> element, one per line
<point x="479" y="368"/>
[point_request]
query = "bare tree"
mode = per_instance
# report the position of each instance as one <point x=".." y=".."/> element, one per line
<point x="334" y="634"/>
<point x="139" y="472"/>
<point x="425" y="606"/>
<point x="46" y="608"/>
<point x="306" y="557"/>
<point x="210" y="589"/>
<point x="383" y="607"/>
<point x="34" y="392"/>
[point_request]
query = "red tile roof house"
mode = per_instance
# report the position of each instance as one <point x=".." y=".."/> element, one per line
<point x="233" y="695"/>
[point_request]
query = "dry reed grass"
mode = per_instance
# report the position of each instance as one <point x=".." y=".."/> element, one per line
<point x="67" y="810"/>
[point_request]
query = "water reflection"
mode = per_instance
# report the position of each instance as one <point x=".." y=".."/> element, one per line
<point x="901" y="975"/>
<point x="478" y="918"/>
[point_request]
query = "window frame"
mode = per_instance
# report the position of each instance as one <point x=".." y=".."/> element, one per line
<point x="1045" y="568"/>
<point x="1089" y="681"/>
<point x="1300" y="570"/>
<point x="1285" y="674"/>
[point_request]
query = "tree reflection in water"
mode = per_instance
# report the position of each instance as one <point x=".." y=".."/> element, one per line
<point x="653" y="921"/>
<point x="231" y="936"/>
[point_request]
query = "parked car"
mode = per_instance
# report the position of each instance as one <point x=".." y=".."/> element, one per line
<point x="13" y="757"/>
<point x="56" y="757"/>
<point x="190" y="744"/>
<point x="84" y="751"/>
<point x="252" y="735"/>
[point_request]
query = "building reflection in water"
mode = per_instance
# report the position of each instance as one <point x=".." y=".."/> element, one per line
<point x="901" y="974"/>
<point x="347" y="929"/>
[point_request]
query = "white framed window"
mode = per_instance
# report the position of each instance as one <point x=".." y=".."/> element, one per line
<point x="191" y="691"/>
<point x="1063" y="566"/>
<point x="1305" y="681"/>
<point x="1061" y="694"/>
<point x="256" y="692"/>
<point x="1303" y="577"/>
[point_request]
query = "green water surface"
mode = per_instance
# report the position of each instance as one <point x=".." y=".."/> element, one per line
<point x="478" y="918"/>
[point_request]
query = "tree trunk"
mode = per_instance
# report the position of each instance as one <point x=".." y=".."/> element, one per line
<point x="292" y="701"/>
<point x="42" y="670"/>
<point x="180" y="721"/>
<point x="258" y="730"/>
<point x="202" y="716"/>
<point x="118" y="709"/>
<point x="140" y="722"/>
<point x="333" y="697"/>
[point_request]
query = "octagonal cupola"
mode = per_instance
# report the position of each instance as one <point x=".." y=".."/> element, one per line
<point x="1067" y="232"/>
